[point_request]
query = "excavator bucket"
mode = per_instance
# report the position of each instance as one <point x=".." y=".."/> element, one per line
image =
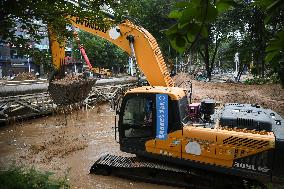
<point x="70" y="89"/>
<point x="73" y="93"/>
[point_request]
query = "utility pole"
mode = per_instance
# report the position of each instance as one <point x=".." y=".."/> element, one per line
<point x="29" y="63"/>
<point x="236" y="65"/>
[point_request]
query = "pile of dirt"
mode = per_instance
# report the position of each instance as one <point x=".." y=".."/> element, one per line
<point x="25" y="76"/>
<point x="70" y="90"/>
<point x="69" y="79"/>
<point x="269" y="96"/>
<point x="183" y="80"/>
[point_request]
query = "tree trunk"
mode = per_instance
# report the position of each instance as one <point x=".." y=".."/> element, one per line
<point x="260" y="41"/>
<point x="207" y="60"/>
<point x="262" y="44"/>
<point x="241" y="70"/>
<point x="214" y="54"/>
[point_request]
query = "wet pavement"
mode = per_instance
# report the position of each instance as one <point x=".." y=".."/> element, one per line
<point x="67" y="145"/>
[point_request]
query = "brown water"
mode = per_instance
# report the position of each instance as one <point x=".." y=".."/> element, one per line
<point x="50" y="144"/>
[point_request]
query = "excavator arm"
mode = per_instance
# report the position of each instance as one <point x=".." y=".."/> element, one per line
<point x="133" y="39"/>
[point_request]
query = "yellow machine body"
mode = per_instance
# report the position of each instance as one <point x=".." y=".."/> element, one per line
<point x="216" y="146"/>
<point x="211" y="145"/>
<point x="239" y="150"/>
<point x="101" y="71"/>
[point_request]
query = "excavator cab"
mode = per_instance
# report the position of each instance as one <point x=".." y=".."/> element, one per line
<point x="146" y="116"/>
<point x="136" y="124"/>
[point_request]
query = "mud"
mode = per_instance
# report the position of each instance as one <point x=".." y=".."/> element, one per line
<point x="269" y="96"/>
<point x="25" y="76"/>
<point x="65" y="92"/>
<point x="67" y="145"/>
<point x="70" y="144"/>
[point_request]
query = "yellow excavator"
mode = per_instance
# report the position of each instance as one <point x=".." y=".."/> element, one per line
<point x="204" y="145"/>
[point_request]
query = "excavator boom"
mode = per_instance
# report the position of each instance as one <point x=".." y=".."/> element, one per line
<point x="147" y="52"/>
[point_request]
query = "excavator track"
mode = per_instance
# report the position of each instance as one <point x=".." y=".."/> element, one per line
<point x="161" y="173"/>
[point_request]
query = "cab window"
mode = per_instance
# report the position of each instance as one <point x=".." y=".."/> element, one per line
<point x="183" y="109"/>
<point x="138" y="117"/>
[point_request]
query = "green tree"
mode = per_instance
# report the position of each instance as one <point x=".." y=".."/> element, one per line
<point x="153" y="16"/>
<point x="274" y="20"/>
<point x="100" y="52"/>
<point x="238" y="36"/>
<point x="196" y="28"/>
<point x="212" y="29"/>
<point x="25" y="14"/>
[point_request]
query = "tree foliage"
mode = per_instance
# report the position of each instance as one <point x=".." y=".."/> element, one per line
<point x="55" y="12"/>
<point x="196" y="28"/>
<point x="151" y="15"/>
<point x="32" y="18"/>
<point x="193" y="19"/>
<point x="220" y="29"/>
<point x="274" y="21"/>
<point x="100" y="52"/>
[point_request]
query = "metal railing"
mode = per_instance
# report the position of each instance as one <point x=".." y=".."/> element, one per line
<point x="36" y="104"/>
<point x="24" y="106"/>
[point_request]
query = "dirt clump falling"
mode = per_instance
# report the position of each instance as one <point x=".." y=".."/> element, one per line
<point x="70" y="89"/>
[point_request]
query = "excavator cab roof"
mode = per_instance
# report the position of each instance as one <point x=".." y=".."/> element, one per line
<point x="175" y="93"/>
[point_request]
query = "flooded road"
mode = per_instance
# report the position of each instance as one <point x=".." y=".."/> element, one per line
<point x="49" y="144"/>
<point x="71" y="144"/>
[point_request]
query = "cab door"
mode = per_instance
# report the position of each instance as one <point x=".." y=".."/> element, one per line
<point x="136" y="122"/>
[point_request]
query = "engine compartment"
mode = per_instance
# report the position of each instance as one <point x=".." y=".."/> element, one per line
<point x="235" y="115"/>
<point x="248" y="116"/>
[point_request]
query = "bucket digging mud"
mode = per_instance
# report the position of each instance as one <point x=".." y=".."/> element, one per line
<point x="70" y="90"/>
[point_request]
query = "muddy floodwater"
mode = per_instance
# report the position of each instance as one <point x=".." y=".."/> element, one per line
<point x="67" y="145"/>
<point x="71" y="144"/>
